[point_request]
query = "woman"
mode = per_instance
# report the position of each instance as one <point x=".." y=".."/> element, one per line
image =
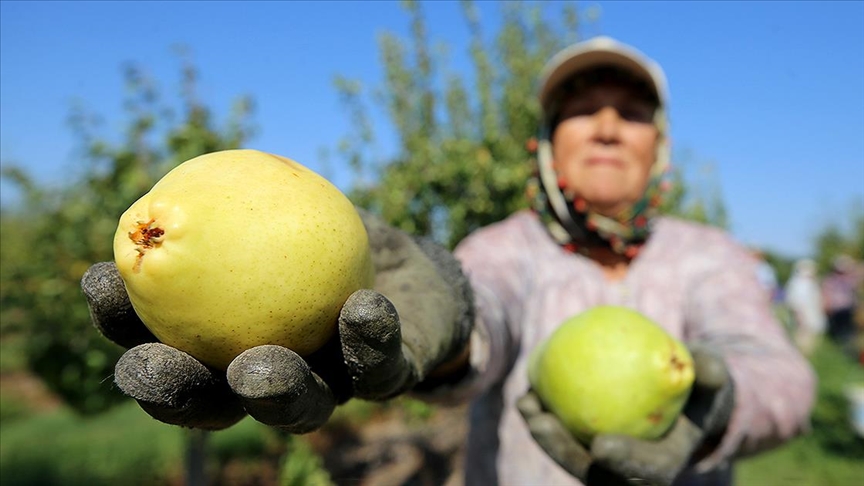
<point x="594" y="239"/>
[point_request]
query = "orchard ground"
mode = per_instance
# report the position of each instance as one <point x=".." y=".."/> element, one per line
<point x="403" y="442"/>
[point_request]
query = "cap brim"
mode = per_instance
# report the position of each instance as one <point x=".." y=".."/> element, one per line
<point x="597" y="52"/>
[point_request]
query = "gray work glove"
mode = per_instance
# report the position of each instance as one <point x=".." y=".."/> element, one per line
<point x="620" y="459"/>
<point x="384" y="346"/>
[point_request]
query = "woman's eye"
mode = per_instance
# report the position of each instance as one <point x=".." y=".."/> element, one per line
<point x="580" y="111"/>
<point x="636" y="115"/>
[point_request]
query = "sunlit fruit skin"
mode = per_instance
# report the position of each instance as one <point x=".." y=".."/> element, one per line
<point x="611" y="370"/>
<point x="240" y="248"/>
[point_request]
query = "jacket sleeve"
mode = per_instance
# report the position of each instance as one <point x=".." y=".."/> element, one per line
<point x="728" y="310"/>
<point x="495" y="265"/>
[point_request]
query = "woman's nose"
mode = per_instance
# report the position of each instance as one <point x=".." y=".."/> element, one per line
<point x="607" y="124"/>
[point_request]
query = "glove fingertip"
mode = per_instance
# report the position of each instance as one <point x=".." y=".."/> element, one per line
<point x="158" y="373"/>
<point x="267" y="370"/>
<point x="277" y="387"/>
<point x="370" y="316"/>
<point x="110" y="309"/>
<point x="709" y="368"/>
<point x="103" y="286"/>
<point x="611" y="448"/>
<point x="90" y="281"/>
<point x="529" y="404"/>
<point x="175" y="388"/>
<point x="370" y="334"/>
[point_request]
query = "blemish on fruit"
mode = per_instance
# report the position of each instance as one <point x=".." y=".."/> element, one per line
<point x="146" y="237"/>
<point x="655" y="417"/>
<point x="677" y="363"/>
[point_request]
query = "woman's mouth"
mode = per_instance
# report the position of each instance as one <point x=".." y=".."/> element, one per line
<point x="605" y="161"/>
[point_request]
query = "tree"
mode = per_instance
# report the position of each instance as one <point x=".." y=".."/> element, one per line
<point x="463" y="142"/>
<point x="55" y="235"/>
<point x="460" y="159"/>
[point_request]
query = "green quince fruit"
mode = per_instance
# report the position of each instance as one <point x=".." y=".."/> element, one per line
<point x="611" y="370"/>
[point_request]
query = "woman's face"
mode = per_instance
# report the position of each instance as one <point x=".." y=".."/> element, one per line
<point x="604" y="146"/>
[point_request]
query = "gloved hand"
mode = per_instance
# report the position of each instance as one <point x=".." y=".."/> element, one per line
<point x="620" y="459"/>
<point x="384" y="346"/>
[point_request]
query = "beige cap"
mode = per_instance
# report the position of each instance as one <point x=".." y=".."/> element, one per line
<point x="595" y="52"/>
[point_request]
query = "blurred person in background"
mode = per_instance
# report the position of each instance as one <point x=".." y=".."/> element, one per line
<point x="804" y="298"/>
<point x="454" y="329"/>
<point x="767" y="276"/>
<point x="840" y="296"/>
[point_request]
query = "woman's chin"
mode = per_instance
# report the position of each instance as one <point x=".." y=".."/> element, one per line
<point x="610" y="208"/>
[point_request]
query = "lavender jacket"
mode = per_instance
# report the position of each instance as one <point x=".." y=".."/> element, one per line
<point x="691" y="279"/>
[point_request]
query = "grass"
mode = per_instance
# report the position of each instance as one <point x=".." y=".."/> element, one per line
<point x="802" y="462"/>
<point x="12" y="408"/>
<point x="63" y="448"/>
<point x="126" y="446"/>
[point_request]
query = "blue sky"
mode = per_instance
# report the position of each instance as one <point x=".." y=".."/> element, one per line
<point x="768" y="97"/>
